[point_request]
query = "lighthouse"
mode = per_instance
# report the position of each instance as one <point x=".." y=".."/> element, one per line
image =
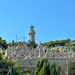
<point x="31" y="34"/>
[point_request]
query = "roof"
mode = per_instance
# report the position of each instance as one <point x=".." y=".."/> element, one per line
<point x="31" y="26"/>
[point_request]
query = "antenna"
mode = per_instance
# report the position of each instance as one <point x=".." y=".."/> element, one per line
<point x="40" y="42"/>
<point x="24" y="39"/>
<point x="31" y="23"/>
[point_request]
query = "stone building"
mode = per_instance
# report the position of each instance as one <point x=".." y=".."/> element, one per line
<point x="31" y="34"/>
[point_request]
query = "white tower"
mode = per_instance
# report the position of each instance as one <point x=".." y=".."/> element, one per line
<point x="31" y="34"/>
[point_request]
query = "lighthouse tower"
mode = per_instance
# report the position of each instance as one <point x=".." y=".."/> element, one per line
<point x="31" y="34"/>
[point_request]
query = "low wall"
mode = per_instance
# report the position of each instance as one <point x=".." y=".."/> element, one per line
<point x="32" y="62"/>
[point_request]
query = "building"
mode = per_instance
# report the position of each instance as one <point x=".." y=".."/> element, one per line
<point x="31" y="34"/>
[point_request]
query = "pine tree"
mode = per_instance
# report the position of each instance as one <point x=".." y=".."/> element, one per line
<point x="39" y="66"/>
<point x="53" y="71"/>
<point x="41" y="63"/>
<point x="41" y="72"/>
<point x="58" y="70"/>
<point x="42" y="67"/>
<point x="37" y="69"/>
<point x="47" y="66"/>
<point x="53" y="65"/>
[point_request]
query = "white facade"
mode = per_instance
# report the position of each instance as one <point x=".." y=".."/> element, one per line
<point x="31" y="34"/>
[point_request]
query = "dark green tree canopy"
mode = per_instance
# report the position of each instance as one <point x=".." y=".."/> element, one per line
<point x="32" y="45"/>
<point x="43" y="68"/>
<point x="73" y="48"/>
<point x="71" y="67"/>
<point x="57" y="43"/>
<point x="3" y="43"/>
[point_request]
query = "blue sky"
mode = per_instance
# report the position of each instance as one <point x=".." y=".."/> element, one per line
<point x="52" y="19"/>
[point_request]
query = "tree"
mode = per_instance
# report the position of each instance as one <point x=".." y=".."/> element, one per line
<point x="3" y="43"/>
<point x="53" y="68"/>
<point x="47" y="66"/>
<point x="39" y="65"/>
<point x="32" y="44"/>
<point x="58" y="70"/>
<point x="3" y="61"/>
<point x="25" y="72"/>
<point x="57" y="42"/>
<point x="73" y="48"/>
<point x="49" y="44"/>
<point x="68" y="40"/>
<point x="53" y="72"/>
<point x="67" y="44"/>
<point x="6" y="63"/>
<point x="15" y="68"/>
<point x="13" y="42"/>
<point x="43" y="68"/>
<point x="71" y="67"/>
<point x="73" y="41"/>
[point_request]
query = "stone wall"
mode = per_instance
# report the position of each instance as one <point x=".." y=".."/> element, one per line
<point x="32" y="62"/>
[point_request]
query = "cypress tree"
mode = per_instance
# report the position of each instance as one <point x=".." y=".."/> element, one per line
<point x="58" y="70"/>
<point x="53" y="65"/>
<point x="43" y="68"/>
<point x="53" y="71"/>
<point x="37" y="69"/>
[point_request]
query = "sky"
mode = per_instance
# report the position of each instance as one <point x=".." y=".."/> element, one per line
<point x="52" y="19"/>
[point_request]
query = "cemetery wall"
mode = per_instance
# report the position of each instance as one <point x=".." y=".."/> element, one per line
<point x="32" y="62"/>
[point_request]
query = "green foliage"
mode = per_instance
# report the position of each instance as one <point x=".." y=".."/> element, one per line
<point x="67" y="44"/>
<point x="3" y="61"/>
<point x="3" y="43"/>
<point x="53" y="68"/>
<point x="53" y="71"/>
<point x="43" y="68"/>
<point x="38" y="66"/>
<point x="6" y="63"/>
<point x="73" y="41"/>
<point x="11" y="62"/>
<point x="49" y="44"/>
<point x="41" y="63"/>
<point x="58" y="70"/>
<point x="32" y="44"/>
<point x="73" y="48"/>
<point x="25" y="72"/>
<point x="57" y="42"/>
<point x="71" y="67"/>
<point x="15" y="43"/>
<point x="53" y="65"/>
<point x="15" y="68"/>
